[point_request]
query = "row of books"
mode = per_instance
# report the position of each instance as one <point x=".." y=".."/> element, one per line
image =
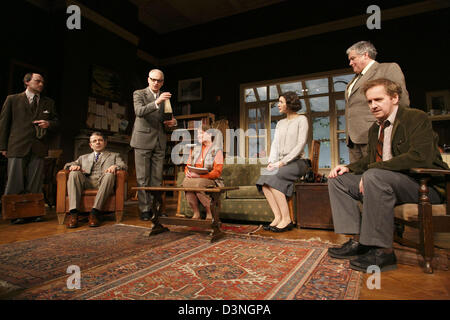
<point x="192" y="124"/>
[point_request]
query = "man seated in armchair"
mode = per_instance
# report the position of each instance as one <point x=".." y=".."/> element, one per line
<point x="400" y="139"/>
<point x="94" y="170"/>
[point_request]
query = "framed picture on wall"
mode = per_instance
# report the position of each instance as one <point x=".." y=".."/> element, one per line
<point x="190" y="90"/>
<point x="438" y="102"/>
<point x="105" y="83"/>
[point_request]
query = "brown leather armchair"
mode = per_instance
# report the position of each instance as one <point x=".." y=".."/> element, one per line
<point x="114" y="203"/>
<point x="425" y="217"/>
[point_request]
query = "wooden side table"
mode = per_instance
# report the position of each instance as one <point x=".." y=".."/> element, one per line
<point x="313" y="206"/>
<point x="213" y="225"/>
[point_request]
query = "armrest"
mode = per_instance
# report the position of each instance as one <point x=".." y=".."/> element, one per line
<point x="121" y="177"/>
<point x="430" y="171"/>
<point x="423" y="182"/>
<point x="61" y="189"/>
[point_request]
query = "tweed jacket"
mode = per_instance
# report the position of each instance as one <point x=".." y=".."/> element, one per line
<point x="148" y="126"/>
<point x="413" y="145"/>
<point x="357" y="113"/>
<point x="18" y="134"/>
<point x="107" y="159"/>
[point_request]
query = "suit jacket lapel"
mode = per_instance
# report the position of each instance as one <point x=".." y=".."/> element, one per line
<point x="348" y="85"/>
<point x="103" y="157"/>
<point x="26" y="103"/>
<point x="90" y="163"/>
<point x="397" y="121"/>
<point x="365" y="77"/>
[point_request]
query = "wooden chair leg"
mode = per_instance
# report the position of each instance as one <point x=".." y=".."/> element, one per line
<point x="119" y="216"/>
<point x="291" y="209"/>
<point x="426" y="227"/>
<point x="61" y="217"/>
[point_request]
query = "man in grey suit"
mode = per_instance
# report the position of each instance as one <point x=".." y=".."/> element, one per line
<point x="25" y="121"/>
<point x="94" y="170"/>
<point x="149" y="138"/>
<point x="358" y="118"/>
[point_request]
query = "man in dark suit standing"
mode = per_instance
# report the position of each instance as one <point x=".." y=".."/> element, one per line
<point x="361" y="58"/>
<point x="25" y="120"/>
<point x="149" y="138"/>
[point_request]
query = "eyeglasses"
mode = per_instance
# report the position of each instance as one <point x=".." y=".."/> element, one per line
<point x="156" y="80"/>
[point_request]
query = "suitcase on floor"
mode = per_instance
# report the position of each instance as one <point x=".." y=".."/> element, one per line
<point x="16" y="206"/>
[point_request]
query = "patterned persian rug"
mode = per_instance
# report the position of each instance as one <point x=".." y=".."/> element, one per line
<point x="122" y="262"/>
<point x="225" y="227"/>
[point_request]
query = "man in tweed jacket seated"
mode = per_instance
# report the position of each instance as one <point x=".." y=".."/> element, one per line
<point x="401" y="139"/>
<point x="94" y="170"/>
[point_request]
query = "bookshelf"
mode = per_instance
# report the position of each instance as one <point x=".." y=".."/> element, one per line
<point x="193" y="121"/>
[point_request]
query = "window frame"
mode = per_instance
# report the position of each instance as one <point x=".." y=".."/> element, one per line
<point x="333" y="113"/>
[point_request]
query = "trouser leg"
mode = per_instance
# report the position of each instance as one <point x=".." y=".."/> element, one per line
<point x="105" y="189"/>
<point x="383" y="190"/>
<point x="35" y="174"/>
<point x="75" y="185"/>
<point x="357" y="151"/>
<point x="149" y="172"/>
<point x="16" y="176"/>
<point x="344" y="196"/>
<point x="143" y="169"/>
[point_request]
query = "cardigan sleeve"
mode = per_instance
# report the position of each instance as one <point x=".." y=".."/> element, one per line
<point x="216" y="172"/>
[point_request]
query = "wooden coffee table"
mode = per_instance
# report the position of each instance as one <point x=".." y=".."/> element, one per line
<point x="213" y="224"/>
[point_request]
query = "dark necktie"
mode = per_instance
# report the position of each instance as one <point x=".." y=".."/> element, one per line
<point x="96" y="157"/>
<point x="379" y="155"/>
<point x="34" y="104"/>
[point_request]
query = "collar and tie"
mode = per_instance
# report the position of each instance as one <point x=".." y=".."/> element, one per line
<point x="97" y="154"/>
<point x="34" y="104"/>
<point x="379" y="155"/>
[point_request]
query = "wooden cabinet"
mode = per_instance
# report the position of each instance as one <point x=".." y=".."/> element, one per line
<point x="313" y="206"/>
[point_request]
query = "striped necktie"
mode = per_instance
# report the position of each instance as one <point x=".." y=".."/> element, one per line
<point x="97" y="154"/>
<point x="379" y="155"/>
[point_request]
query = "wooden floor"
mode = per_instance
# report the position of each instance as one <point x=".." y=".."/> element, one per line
<point x="407" y="282"/>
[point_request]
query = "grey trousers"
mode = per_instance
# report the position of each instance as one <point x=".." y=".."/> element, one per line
<point x="358" y="151"/>
<point x="25" y="175"/>
<point x="78" y="182"/>
<point x="383" y="189"/>
<point x="149" y="173"/>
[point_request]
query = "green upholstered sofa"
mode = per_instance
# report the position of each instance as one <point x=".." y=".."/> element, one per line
<point x="245" y="204"/>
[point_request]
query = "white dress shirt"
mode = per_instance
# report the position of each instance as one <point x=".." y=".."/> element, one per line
<point x="387" y="152"/>
<point x="30" y="95"/>
<point x="350" y="87"/>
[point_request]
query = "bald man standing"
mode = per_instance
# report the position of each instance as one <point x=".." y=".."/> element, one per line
<point x="149" y="138"/>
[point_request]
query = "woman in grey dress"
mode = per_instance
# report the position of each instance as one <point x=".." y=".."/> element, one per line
<point x="286" y="161"/>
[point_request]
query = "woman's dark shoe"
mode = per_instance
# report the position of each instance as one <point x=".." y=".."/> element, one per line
<point x="287" y="228"/>
<point x="268" y="227"/>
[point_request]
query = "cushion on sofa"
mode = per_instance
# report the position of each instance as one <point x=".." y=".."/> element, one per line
<point x="245" y="192"/>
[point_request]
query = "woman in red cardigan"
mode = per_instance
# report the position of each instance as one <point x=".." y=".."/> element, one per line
<point x="207" y="157"/>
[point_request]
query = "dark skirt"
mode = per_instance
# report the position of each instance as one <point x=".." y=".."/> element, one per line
<point x="283" y="179"/>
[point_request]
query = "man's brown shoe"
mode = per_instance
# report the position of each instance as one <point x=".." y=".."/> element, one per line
<point x="93" y="220"/>
<point x="73" y="222"/>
